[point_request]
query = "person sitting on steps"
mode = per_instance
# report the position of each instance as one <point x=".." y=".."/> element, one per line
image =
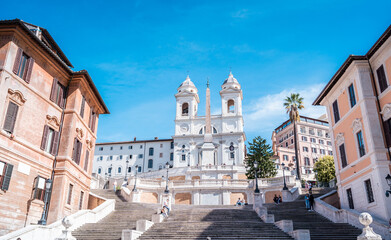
<point x="275" y="199"/>
<point x="239" y="202"/>
<point x="166" y="206"/>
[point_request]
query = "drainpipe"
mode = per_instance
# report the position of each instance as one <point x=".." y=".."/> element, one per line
<point x="59" y="141"/>
<point x="379" y="108"/>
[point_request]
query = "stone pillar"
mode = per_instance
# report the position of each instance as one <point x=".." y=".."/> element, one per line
<point x="67" y="222"/>
<point x="196" y="198"/>
<point x="367" y="232"/>
<point x="136" y="196"/>
<point x="257" y="201"/>
<point x="226" y="198"/>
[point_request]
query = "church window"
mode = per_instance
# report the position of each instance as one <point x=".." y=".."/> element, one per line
<point x="183" y="157"/>
<point x="232" y="155"/>
<point x="171" y="156"/>
<point x="160" y="155"/>
<point x="185" y="109"/>
<point x="150" y="151"/>
<point x="119" y="169"/>
<point x="99" y="170"/>
<point x="172" y="145"/>
<point x="214" y="130"/>
<point x="139" y="169"/>
<point x="160" y="167"/>
<point x="231" y="106"/>
<point x="129" y="169"/>
<point x="150" y="163"/>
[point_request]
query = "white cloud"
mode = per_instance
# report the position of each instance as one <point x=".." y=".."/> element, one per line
<point x="266" y="113"/>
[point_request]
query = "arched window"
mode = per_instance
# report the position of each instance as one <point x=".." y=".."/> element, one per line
<point x="231" y="106"/>
<point x="160" y="167"/>
<point x="129" y="169"/>
<point x="119" y="169"/>
<point x="99" y="170"/>
<point x="150" y="163"/>
<point x="185" y="109"/>
<point x="150" y="151"/>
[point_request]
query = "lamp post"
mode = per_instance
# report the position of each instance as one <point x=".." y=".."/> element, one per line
<point x="167" y="191"/>
<point x="135" y="180"/>
<point x="283" y="174"/>
<point x="126" y="172"/>
<point x="256" y="178"/>
<point x="48" y="186"/>
<point x="388" y="179"/>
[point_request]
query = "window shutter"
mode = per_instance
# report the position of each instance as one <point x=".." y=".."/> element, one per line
<point x="60" y="100"/>
<point x="7" y="177"/>
<point x="90" y="120"/>
<point x="74" y="150"/>
<point x="17" y="61"/>
<point x="53" y="93"/>
<point x="29" y="69"/>
<point x="381" y="75"/>
<point x="83" y="103"/>
<point x="93" y="122"/>
<point x="387" y="133"/>
<point x="78" y="154"/>
<point x="44" y="137"/>
<point x="86" y="160"/>
<point x="56" y="140"/>
<point x="10" y="118"/>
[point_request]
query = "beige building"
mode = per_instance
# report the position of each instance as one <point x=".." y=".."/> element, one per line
<point x="48" y="121"/>
<point x="313" y="142"/>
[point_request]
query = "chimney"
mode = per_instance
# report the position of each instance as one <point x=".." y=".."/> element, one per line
<point x="156" y="138"/>
<point x="134" y="139"/>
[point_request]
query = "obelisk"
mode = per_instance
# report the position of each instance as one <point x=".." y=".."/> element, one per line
<point x="208" y="147"/>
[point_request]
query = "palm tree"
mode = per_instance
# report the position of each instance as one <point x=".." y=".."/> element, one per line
<point x="292" y="105"/>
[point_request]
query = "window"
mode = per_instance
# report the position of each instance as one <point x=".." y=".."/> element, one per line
<point x="350" y="198"/>
<point x="172" y="145"/>
<point x="293" y="158"/>
<point x="81" y="200"/>
<point x="360" y="142"/>
<point x="321" y="141"/>
<point x="311" y="131"/>
<point x="69" y="199"/>
<point x="77" y="146"/>
<point x="39" y="188"/>
<point x="130" y="147"/>
<point x="58" y="93"/>
<point x="100" y="148"/>
<point x="183" y="157"/>
<point x="329" y="143"/>
<point x="291" y="141"/>
<point x="5" y="175"/>
<point x="171" y="156"/>
<point x="150" y="151"/>
<point x="306" y="161"/>
<point x="129" y="169"/>
<point x="304" y="138"/>
<point x="160" y="155"/>
<point x="139" y="169"/>
<point x="231" y="106"/>
<point x="352" y="96"/>
<point x="381" y="77"/>
<point x="313" y="140"/>
<point x="387" y="131"/>
<point x="99" y="170"/>
<point x="335" y="111"/>
<point x="286" y="144"/>
<point x="331" y="153"/>
<point x="343" y="155"/>
<point x="327" y="135"/>
<point x="83" y="103"/>
<point x="285" y="157"/>
<point x="302" y="130"/>
<point x="368" y="188"/>
<point x="160" y="167"/>
<point x="305" y="149"/>
<point x="185" y="109"/>
<point x="320" y="133"/>
<point x="91" y="122"/>
<point x="110" y="157"/>
<point x="141" y="146"/>
<point x="150" y="163"/>
<point x="109" y="170"/>
<point x="119" y="170"/>
<point x="101" y="158"/>
<point x="50" y="140"/>
<point x="161" y="145"/>
<point x="120" y="148"/>
<point x="120" y="157"/>
<point x="23" y="65"/>
<point x="10" y="117"/>
<point x="322" y="151"/>
<point x="314" y="150"/>
<point x="140" y="156"/>
<point x="314" y="160"/>
<point x="86" y="160"/>
<point x="232" y="155"/>
<point x="111" y="148"/>
<point x="130" y="156"/>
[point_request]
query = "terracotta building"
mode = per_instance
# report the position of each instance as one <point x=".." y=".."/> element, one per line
<point x="358" y="102"/>
<point x="48" y="121"/>
<point x="313" y="142"/>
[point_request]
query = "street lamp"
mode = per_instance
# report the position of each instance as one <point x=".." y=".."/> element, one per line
<point x="167" y="191"/>
<point x="48" y="185"/>
<point x="135" y="180"/>
<point x="126" y="172"/>
<point x="388" y="179"/>
<point x="283" y="174"/>
<point x="256" y="178"/>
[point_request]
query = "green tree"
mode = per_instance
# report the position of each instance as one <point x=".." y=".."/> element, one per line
<point x="325" y="169"/>
<point x="261" y="152"/>
<point x="292" y="105"/>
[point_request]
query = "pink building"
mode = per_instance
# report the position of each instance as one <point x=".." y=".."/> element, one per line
<point x="48" y="121"/>
<point x="313" y="142"/>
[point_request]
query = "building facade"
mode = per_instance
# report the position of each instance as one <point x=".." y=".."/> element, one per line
<point x="358" y="102"/>
<point x="48" y="121"/>
<point x="125" y="158"/>
<point x="313" y="143"/>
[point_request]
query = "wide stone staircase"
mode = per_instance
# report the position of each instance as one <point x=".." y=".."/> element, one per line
<point x="319" y="226"/>
<point x="216" y="222"/>
<point x="124" y="216"/>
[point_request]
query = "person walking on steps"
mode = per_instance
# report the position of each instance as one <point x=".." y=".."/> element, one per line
<point x="115" y="185"/>
<point x="307" y="201"/>
<point x="166" y="206"/>
<point x="311" y="201"/>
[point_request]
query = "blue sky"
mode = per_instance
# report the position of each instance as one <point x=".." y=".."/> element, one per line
<point x="138" y="52"/>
